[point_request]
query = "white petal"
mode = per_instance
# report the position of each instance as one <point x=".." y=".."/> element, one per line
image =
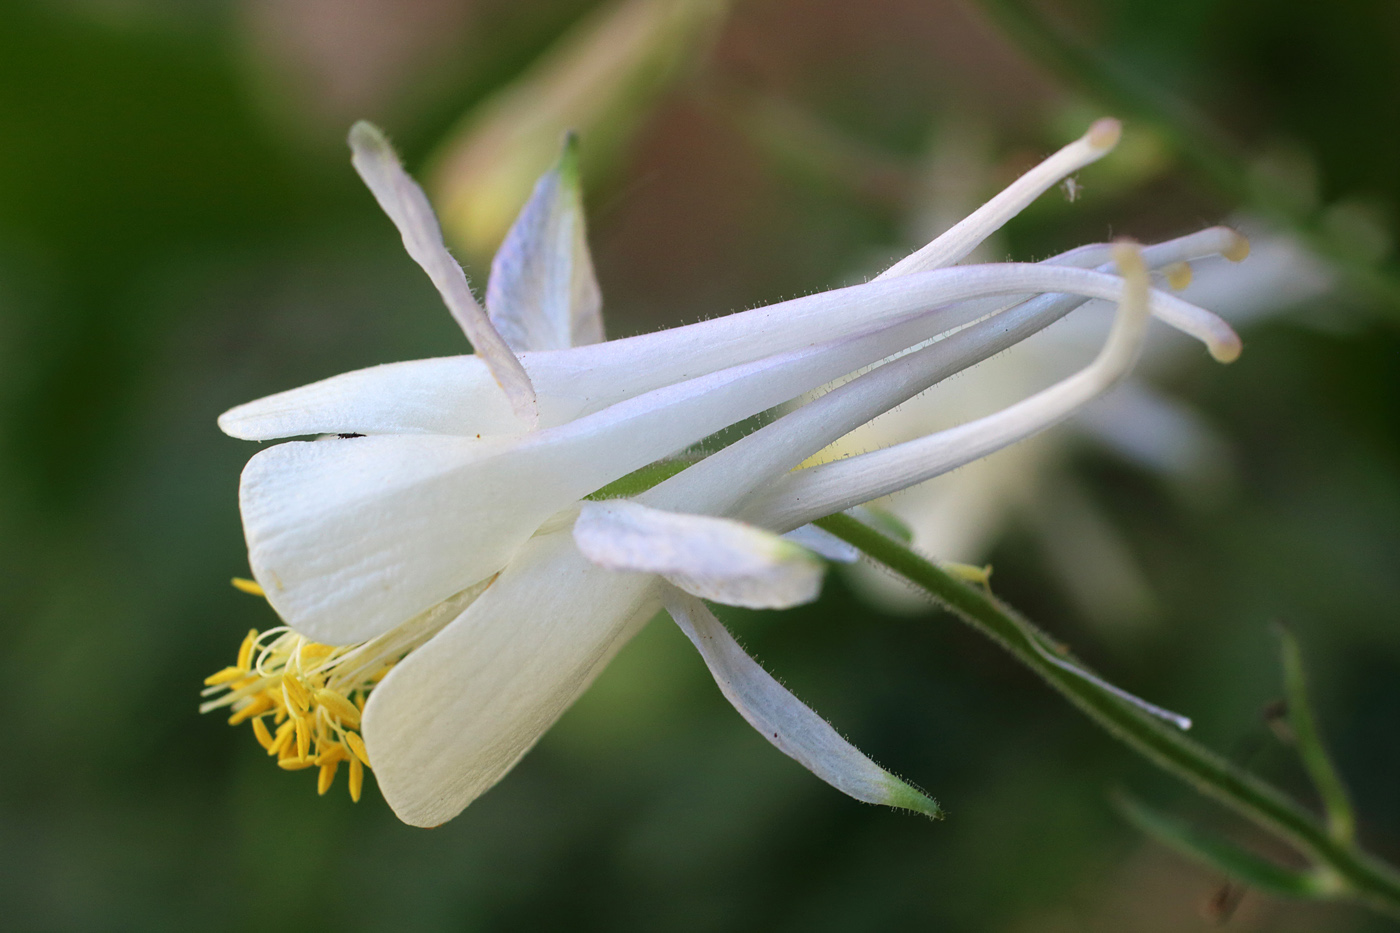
<point x="454" y="716"/>
<point x="407" y="206"/>
<point x="447" y="395"/>
<point x="543" y="294"/>
<point x="351" y="537"/>
<point x="783" y="720"/>
<point x="716" y="558"/>
<point x="964" y="236"/>
<point x="824" y="543"/>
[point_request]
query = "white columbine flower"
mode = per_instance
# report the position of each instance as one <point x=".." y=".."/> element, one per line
<point x="960" y="516"/>
<point x="443" y="551"/>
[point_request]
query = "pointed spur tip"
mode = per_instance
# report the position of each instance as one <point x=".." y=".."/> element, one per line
<point x="1127" y="256"/>
<point x="1105" y="133"/>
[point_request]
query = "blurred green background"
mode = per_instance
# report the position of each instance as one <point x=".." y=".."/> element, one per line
<point x="180" y="231"/>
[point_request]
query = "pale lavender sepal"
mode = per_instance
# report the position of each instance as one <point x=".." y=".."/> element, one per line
<point x="785" y="721"/>
<point x="543" y="294"/>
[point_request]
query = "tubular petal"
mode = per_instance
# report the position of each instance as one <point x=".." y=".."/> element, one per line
<point x="964" y="236"/>
<point x="543" y="294"/>
<point x="453" y="717"/>
<point x="455" y="395"/>
<point x="725" y="478"/>
<point x="348" y="538"/>
<point x="407" y="206"/>
<point x="446" y="395"/>
<point x="805" y="495"/>
<point x="715" y="558"/>
<point x="782" y="719"/>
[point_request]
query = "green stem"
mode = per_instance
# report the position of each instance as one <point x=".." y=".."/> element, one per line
<point x="1358" y="875"/>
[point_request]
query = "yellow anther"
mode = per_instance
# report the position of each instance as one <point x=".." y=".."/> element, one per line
<point x="298" y="698"/>
<point x="225" y="676"/>
<point x="314" y="652"/>
<point x="305" y="699"/>
<point x="288" y="749"/>
<point x="1178" y="275"/>
<point x="357" y="779"/>
<point x="282" y="739"/>
<point x="338" y="706"/>
<point x="327" y="775"/>
<point x="357" y="745"/>
<point x="332" y="754"/>
<point x="260" y="732"/>
<point x="259" y="704"/>
<point x="244" y="585"/>
<point x="303" y="737"/>
<point x="245" y="650"/>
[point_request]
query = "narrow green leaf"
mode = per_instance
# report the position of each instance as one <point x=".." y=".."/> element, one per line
<point x="1336" y="802"/>
<point x="1219" y="853"/>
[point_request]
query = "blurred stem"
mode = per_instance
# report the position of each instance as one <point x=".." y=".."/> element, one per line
<point x="1336" y="803"/>
<point x="1223" y="856"/>
<point x="1194" y="139"/>
<point x="1342" y="869"/>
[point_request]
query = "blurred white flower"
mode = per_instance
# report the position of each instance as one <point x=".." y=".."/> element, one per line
<point x="447" y="532"/>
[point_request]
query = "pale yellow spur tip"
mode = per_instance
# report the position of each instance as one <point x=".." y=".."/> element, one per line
<point x="1238" y="250"/>
<point x="1178" y="275"/>
<point x="1127" y="256"/>
<point x="1227" y="350"/>
<point x="1105" y="133"/>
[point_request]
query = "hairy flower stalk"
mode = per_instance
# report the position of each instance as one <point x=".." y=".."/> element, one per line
<point x="446" y="549"/>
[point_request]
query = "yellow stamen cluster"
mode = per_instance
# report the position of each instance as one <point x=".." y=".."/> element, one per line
<point x="303" y="699"/>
